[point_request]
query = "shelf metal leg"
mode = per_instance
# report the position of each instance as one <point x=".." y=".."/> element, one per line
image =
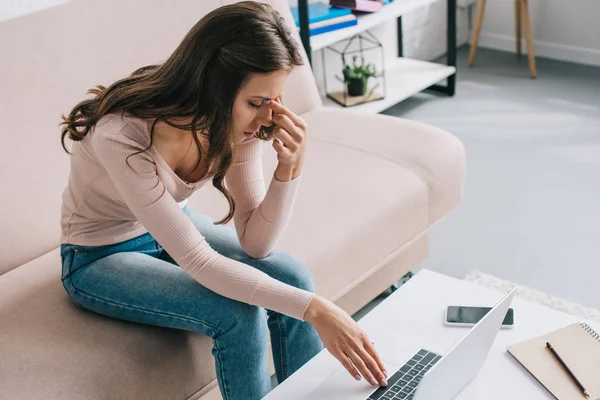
<point x="450" y="86"/>
<point x="304" y="28"/>
<point x="400" y="41"/>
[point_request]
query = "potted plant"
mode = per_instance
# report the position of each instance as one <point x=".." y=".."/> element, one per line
<point x="355" y="86"/>
<point x="357" y="76"/>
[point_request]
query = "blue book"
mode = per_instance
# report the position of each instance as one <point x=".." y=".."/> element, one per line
<point x="333" y="27"/>
<point x="318" y="12"/>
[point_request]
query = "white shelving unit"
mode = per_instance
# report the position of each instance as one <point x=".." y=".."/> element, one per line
<point x="368" y="21"/>
<point x="403" y="77"/>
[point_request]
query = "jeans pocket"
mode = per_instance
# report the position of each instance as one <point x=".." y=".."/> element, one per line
<point x="78" y="258"/>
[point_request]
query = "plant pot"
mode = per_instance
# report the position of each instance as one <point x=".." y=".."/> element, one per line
<point x="357" y="86"/>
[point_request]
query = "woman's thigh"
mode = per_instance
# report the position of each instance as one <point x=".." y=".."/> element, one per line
<point x="138" y="287"/>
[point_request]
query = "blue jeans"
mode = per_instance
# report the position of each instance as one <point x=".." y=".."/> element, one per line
<point x="138" y="281"/>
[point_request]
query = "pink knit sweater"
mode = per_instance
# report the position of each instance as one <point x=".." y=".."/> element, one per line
<point x="112" y="197"/>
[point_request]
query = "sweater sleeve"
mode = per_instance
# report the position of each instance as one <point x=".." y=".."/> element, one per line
<point x="133" y="172"/>
<point x="260" y="218"/>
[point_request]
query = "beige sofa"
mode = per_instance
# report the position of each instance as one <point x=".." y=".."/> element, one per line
<point x="372" y="189"/>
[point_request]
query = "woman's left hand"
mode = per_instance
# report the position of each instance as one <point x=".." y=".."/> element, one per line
<point x="291" y="132"/>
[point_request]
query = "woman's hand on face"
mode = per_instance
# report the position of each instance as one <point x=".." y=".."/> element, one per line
<point x="291" y="134"/>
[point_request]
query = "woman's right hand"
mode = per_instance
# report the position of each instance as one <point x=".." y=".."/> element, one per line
<point x="346" y="340"/>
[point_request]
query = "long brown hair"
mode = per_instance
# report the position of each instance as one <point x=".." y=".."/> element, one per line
<point x="199" y="82"/>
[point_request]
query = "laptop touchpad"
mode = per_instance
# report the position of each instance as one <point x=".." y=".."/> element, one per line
<point x="341" y="385"/>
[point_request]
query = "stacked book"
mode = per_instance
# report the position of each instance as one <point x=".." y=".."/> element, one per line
<point x="322" y="18"/>
<point x="360" y="6"/>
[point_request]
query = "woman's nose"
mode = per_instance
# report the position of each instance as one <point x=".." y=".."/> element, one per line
<point x="265" y="115"/>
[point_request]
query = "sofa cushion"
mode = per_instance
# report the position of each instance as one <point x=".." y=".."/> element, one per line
<point x="434" y="156"/>
<point x="352" y="211"/>
<point x="52" y="349"/>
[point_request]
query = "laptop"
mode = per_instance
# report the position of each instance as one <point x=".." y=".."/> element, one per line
<point x="427" y="375"/>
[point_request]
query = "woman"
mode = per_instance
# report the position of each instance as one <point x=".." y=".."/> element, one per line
<point x="132" y="250"/>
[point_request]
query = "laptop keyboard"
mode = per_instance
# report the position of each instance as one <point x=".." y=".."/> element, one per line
<point x="403" y="383"/>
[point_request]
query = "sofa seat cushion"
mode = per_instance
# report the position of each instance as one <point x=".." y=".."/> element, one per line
<point x="434" y="156"/>
<point x="52" y="349"/>
<point x="353" y="210"/>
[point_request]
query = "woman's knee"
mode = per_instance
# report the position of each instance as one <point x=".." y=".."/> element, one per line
<point x="288" y="269"/>
<point x="243" y="318"/>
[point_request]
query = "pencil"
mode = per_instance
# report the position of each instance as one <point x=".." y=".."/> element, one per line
<point x="571" y="374"/>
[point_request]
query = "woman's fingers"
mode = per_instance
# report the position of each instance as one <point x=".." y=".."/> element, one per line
<point x="286" y="123"/>
<point x="279" y="108"/>
<point x="362" y="367"/>
<point x="373" y="352"/>
<point x="286" y="138"/>
<point x="278" y="146"/>
<point x="372" y="365"/>
<point x="345" y="361"/>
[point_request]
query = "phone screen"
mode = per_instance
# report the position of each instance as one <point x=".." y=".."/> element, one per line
<point x="472" y="315"/>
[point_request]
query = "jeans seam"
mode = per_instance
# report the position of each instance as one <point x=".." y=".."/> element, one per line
<point x="161" y="313"/>
<point x="73" y="289"/>
<point x="283" y="358"/>
<point x="69" y="277"/>
<point x="225" y="393"/>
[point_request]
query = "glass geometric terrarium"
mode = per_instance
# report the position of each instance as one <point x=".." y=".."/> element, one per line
<point x="353" y="70"/>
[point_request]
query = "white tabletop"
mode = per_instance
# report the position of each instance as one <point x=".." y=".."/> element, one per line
<point x="414" y="316"/>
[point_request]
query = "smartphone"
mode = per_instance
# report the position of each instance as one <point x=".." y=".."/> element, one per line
<point x="469" y="316"/>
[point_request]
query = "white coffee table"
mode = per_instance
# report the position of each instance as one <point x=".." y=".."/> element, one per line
<point x="412" y="318"/>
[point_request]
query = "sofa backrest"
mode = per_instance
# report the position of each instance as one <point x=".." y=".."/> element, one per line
<point x="48" y="61"/>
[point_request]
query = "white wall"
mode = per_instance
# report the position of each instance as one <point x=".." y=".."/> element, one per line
<point x="14" y="8"/>
<point x="561" y="29"/>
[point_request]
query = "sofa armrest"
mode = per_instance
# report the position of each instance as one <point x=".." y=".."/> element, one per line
<point x="432" y="154"/>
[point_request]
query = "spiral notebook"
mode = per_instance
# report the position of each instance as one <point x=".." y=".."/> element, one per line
<point x="578" y="345"/>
